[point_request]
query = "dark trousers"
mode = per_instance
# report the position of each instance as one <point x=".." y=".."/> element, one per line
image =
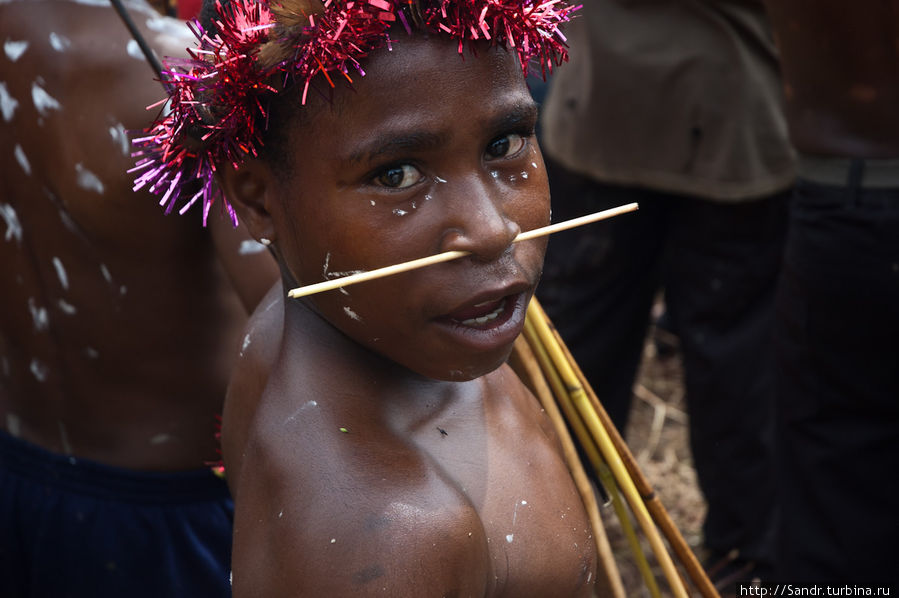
<point x="718" y="264"/>
<point x="838" y="387"/>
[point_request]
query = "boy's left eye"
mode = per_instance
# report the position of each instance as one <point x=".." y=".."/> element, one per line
<point x="507" y="145"/>
<point x="399" y="177"/>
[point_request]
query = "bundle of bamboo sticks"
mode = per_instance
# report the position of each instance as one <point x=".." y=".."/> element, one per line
<point x="543" y="361"/>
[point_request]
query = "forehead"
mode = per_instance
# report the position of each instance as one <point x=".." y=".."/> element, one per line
<point x="421" y="80"/>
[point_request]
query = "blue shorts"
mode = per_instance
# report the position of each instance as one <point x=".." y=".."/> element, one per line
<point x="76" y="528"/>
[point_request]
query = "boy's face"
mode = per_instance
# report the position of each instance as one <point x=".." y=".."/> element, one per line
<point x="429" y="153"/>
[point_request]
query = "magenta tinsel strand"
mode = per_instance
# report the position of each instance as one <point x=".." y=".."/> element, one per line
<point x="218" y="93"/>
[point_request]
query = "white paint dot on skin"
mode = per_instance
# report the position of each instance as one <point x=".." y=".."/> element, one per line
<point x="58" y="42"/>
<point x="510" y="537"/>
<point x="39" y="370"/>
<point x="372" y="202"/>
<point x="494" y="174"/>
<point x="61" y="273"/>
<point x="245" y="344"/>
<point x="39" y="315"/>
<point x="120" y="136"/>
<point x="352" y="314"/>
<point x="250" y="247"/>
<point x="64" y="438"/>
<point x="534" y="165"/>
<point x="22" y="159"/>
<point x="133" y="50"/>
<point x="91" y="353"/>
<point x="333" y="540"/>
<point x="8" y="104"/>
<point x="123" y="290"/>
<point x="399" y="212"/>
<point x="105" y="271"/>
<point x="88" y="180"/>
<point x="524" y="175"/>
<point x="161" y="439"/>
<point x="439" y="180"/>
<point x="14" y="48"/>
<point x="13" y="425"/>
<point x="13" y="226"/>
<point x="43" y="101"/>
<point x="67" y="308"/>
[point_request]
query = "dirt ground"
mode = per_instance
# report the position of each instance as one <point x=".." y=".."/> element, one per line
<point x="657" y="434"/>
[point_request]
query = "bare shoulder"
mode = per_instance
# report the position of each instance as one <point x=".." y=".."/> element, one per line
<point x="325" y="509"/>
<point x="257" y="353"/>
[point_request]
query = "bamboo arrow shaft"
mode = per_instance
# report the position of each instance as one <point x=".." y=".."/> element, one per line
<point x="446" y="256"/>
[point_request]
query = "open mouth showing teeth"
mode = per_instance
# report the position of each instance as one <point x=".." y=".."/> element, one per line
<point x="480" y="320"/>
<point x="482" y="314"/>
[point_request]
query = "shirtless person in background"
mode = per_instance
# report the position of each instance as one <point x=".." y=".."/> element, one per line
<point x="118" y="324"/>
<point x="838" y="304"/>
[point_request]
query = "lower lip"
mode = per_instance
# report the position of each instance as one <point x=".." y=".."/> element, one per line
<point x="497" y="333"/>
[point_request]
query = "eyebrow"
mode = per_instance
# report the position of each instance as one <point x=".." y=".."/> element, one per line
<point x="522" y="113"/>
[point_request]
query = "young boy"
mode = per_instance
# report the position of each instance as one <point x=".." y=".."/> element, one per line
<point x="375" y="440"/>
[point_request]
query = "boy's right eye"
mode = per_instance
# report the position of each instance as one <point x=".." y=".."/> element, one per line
<point x="399" y="176"/>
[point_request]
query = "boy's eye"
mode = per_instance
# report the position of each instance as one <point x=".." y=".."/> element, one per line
<point x="506" y="145"/>
<point x="399" y="177"/>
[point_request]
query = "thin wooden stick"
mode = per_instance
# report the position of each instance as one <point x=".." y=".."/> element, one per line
<point x="446" y="256"/>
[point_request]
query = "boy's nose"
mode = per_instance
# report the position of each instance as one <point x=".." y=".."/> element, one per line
<point x="478" y="222"/>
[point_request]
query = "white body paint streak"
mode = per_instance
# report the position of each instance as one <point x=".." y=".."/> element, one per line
<point x="43" y="101"/>
<point x="22" y="159"/>
<point x="8" y="104"/>
<point x="64" y="438"/>
<point x="67" y="307"/>
<point x="39" y="315"/>
<point x="163" y="25"/>
<point x="246" y="343"/>
<point x="88" y="180"/>
<point x="13" y="425"/>
<point x="61" y="273"/>
<point x="133" y="50"/>
<point x="14" y="49"/>
<point x="342" y="274"/>
<point x="325" y="265"/>
<point x="161" y="439"/>
<point x="352" y="314"/>
<point x="105" y="272"/>
<point x="39" y="370"/>
<point x="13" y="227"/>
<point x="91" y="353"/>
<point x="120" y="136"/>
<point x="250" y="247"/>
<point x="296" y="414"/>
<point x="58" y="42"/>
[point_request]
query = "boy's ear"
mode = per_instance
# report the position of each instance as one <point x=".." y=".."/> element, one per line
<point x="247" y="188"/>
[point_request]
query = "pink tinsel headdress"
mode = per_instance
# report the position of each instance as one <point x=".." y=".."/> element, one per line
<point x="218" y="98"/>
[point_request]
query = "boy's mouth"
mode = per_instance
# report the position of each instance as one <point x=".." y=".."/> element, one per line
<point x="480" y="315"/>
